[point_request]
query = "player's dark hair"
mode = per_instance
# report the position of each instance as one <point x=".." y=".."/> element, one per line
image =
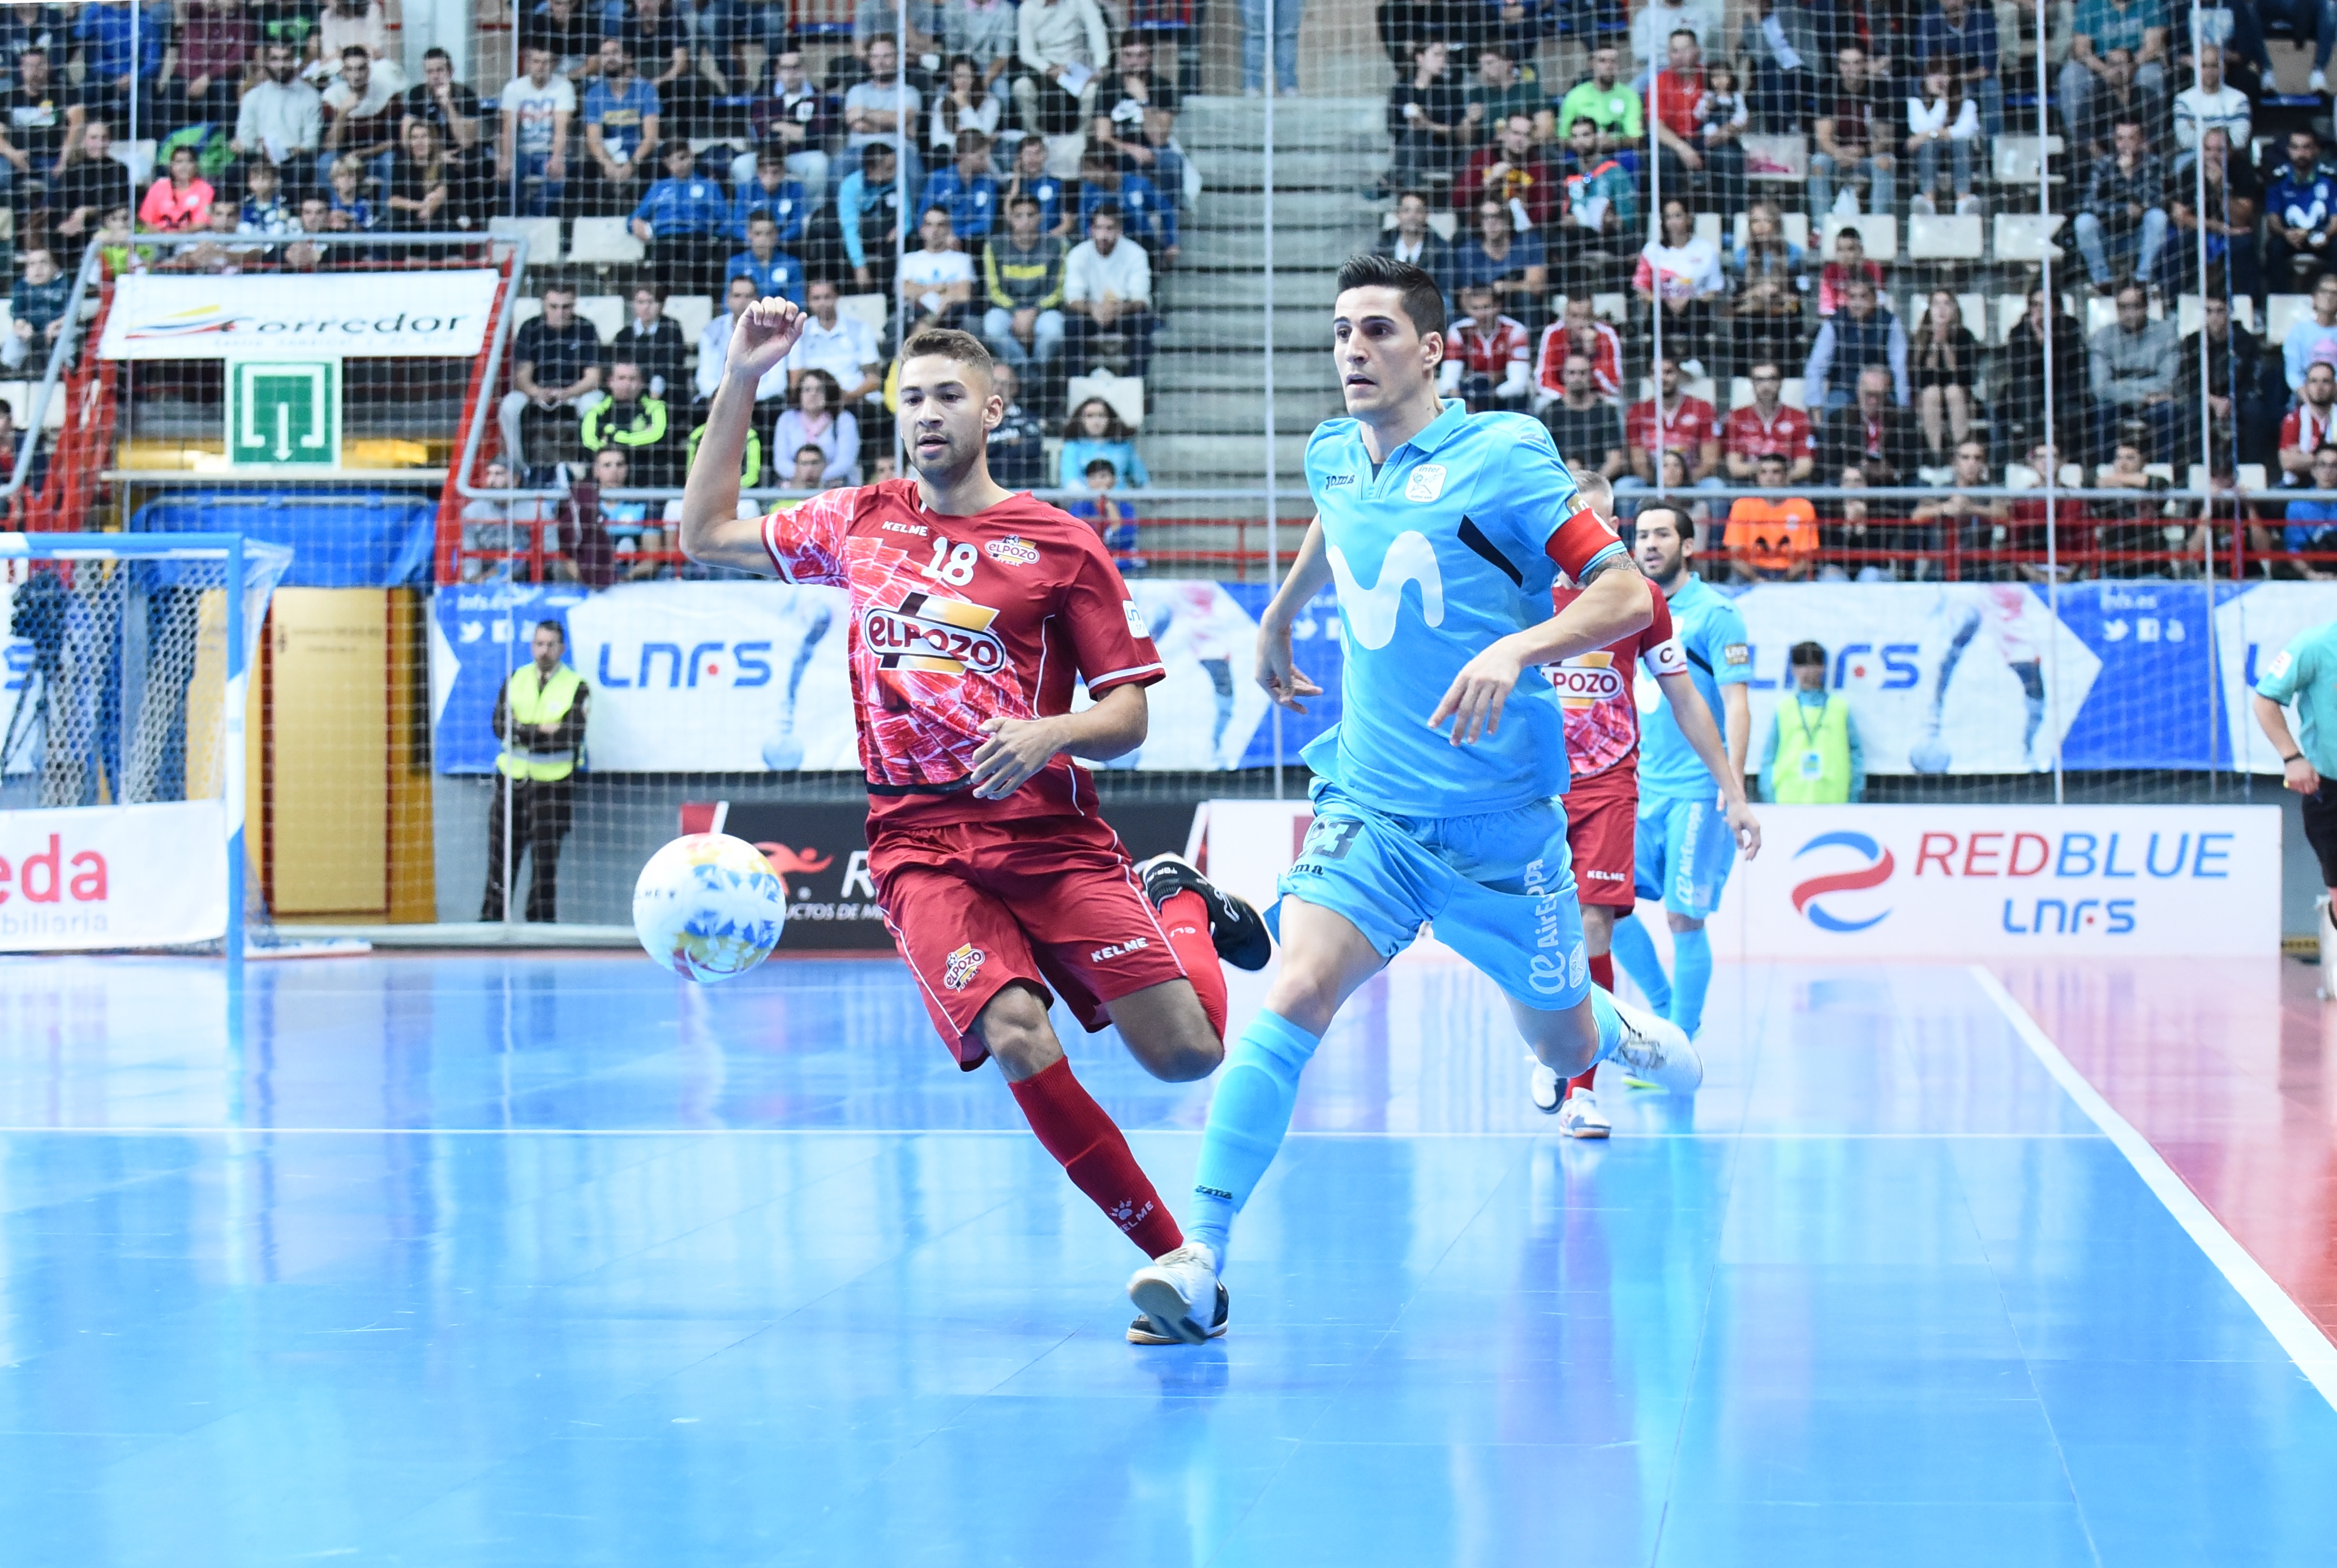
<point x="1682" y="523"/>
<point x="1807" y="653"/>
<point x="1423" y="301"/>
<point x="951" y="344"/>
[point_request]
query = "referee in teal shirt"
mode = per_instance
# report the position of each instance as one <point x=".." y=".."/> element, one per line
<point x="2306" y="673"/>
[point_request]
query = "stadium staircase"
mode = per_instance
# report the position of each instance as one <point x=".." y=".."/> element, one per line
<point x="1207" y="428"/>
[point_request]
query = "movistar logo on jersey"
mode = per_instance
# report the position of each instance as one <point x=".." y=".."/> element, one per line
<point x="1372" y="611"/>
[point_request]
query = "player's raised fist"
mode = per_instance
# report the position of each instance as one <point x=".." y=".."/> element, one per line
<point x="764" y="336"/>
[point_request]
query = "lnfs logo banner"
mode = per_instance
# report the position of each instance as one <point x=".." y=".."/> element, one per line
<point x="1963" y="882"/>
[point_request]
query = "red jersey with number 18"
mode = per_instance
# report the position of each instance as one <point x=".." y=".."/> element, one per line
<point x="956" y="621"/>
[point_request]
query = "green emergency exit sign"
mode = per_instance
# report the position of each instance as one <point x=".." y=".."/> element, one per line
<point x="284" y="413"/>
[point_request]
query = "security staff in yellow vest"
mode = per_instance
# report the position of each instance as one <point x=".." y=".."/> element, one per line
<point x="1812" y="756"/>
<point x="540" y="719"/>
<point x="636" y="424"/>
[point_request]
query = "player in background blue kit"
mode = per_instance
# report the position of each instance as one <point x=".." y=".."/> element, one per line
<point x="1439" y="795"/>
<point x="1687" y="841"/>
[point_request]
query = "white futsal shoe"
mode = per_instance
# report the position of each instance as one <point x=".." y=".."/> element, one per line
<point x="1580" y="1116"/>
<point x="1546" y="1087"/>
<point x="1656" y="1052"/>
<point x="1181" y="1298"/>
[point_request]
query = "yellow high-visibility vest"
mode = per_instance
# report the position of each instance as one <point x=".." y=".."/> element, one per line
<point x="531" y="698"/>
<point x="1812" y="762"/>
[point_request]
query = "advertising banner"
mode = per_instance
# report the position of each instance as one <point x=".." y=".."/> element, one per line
<point x="192" y="316"/>
<point x="1922" y="881"/>
<point x="820" y="850"/>
<point x="751" y="676"/>
<point x="1941" y="678"/>
<point x="112" y="877"/>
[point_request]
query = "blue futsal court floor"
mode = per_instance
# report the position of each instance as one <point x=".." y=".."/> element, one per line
<point x="559" y="1261"/>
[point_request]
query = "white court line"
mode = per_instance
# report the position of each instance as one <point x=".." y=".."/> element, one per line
<point x="2297" y="1334"/>
<point x="1716" y="1135"/>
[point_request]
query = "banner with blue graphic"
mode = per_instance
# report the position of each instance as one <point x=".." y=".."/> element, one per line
<point x="1941" y="678"/>
<point x="1945" y="881"/>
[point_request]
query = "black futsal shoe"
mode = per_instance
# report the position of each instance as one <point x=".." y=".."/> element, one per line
<point x="1235" y="929"/>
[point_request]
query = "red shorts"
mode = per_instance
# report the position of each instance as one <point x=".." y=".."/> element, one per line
<point x="1050" y="901"/>
<point x="1602" y="824"/>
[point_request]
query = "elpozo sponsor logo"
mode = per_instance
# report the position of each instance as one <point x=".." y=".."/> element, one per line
<point x="1012" y="551"/>
<point x="935" y="635"/>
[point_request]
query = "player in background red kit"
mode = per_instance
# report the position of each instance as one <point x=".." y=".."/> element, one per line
<point x="972" y="608"/>
<point x="1600" y="704"/>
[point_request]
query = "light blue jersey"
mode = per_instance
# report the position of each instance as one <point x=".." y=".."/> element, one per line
<point x="1711" y="632"/>
<point x="1454" y="544"/>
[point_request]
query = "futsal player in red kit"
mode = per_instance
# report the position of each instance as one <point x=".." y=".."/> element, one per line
<point x="973" y="612"/>
<point x="1600" y="700"/>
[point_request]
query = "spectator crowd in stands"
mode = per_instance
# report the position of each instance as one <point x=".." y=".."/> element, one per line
<point x="1621" y="250"/>
<point x="1010" y="169"/>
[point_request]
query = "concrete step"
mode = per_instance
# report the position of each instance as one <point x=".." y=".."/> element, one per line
<point x="1195" y="326"/>
<point x="1293" y="209"/>
<point x="1184" y="411"/>
<point x="1222" y="460"/>
<point x="1236" y="247"/>
<point x="1327" y="170"/>
<point x="1242" y="374"/>
<point x="1217" y="122"/>
<point x="1230" y="289"/>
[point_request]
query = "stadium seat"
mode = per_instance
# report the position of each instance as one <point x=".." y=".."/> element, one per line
<point x="1740" y="393"/>
<point x="691" y="312"/>
<point x="2250" y="475"/>
<point x="1797" y="229"/>
<point x="2026" y="236"/>
<point x="868" y="309"/>
<point x="2102" y="312"/>
<point x="2008" y="308"/>
<point x="1444" y="223"/>
<point x="1951" y="237"/>
<point x="1613" y="307"/>
<point x="541" y="234"/>
<point x="1880" y="230"/>
<point x="1707" y="228"/>
<point x="1125" y="393"/>
<point x="1701" y="386"/>
<point x="2016" y="158"/>
<point x="606" y="312"/>
<point x="18" y="395"/>
<point x="2282" y="311"/>
<point x="1975" y="313"/>
<point x="2020" y="476"/>
<point x="2187" y="313"/>
<point x="604" y="242"/>
<point x="1782" y="158"/>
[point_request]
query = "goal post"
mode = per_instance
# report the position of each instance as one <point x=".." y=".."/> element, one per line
<point x="123" y="746"/>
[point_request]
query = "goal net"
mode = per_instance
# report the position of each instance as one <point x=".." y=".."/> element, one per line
<point x="122" y="765"/>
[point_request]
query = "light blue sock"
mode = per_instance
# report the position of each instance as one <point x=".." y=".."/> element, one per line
<point x="1249" y="1115"/>
<point x="1610" y="1024"/>
<point x="1634" y="949"/>
<point x="1691" y="978"/>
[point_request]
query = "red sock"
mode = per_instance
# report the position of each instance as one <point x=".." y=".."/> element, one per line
<point x="1602" y="970"/>
<point x="1095" y="1156"/>
<point x="1185" y="918"/>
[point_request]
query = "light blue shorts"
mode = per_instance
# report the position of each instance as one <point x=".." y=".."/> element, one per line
<point x="1683" y="852"/>
<point x="1498" y="887"/>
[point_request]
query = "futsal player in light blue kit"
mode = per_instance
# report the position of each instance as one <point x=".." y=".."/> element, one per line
<point x="1439" y="795"/>
<point x="1684" y="844"/>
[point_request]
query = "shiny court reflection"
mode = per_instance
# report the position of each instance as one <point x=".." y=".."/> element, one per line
<point x="559" y="1260"/>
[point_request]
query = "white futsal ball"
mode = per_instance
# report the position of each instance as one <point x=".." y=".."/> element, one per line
<point x="1929" y="756"/>
<point x="710" y="906"/>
